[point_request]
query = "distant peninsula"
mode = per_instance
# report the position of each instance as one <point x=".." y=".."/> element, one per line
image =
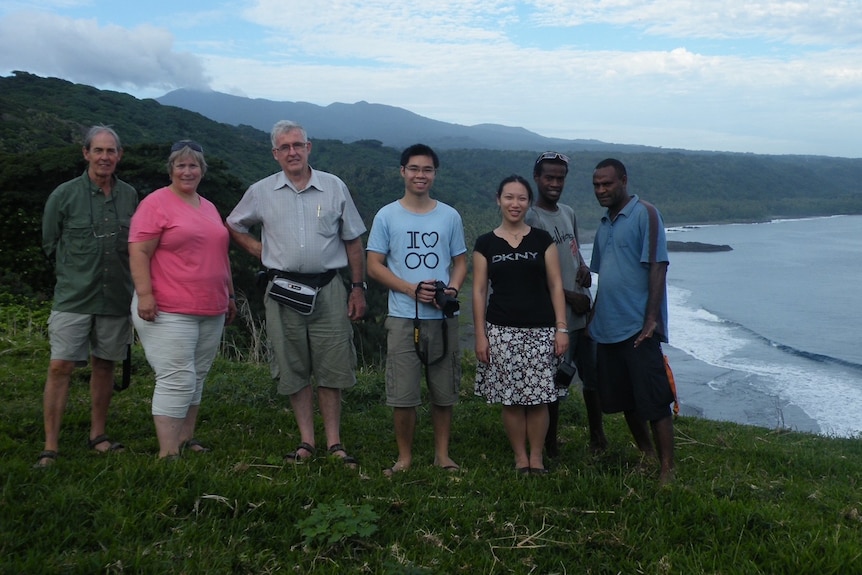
<point x="676" y="246"/>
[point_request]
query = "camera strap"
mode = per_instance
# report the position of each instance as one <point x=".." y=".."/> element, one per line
<point x="417" y="326"/>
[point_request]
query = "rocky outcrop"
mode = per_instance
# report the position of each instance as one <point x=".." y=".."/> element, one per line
<point x="675" y="246"/>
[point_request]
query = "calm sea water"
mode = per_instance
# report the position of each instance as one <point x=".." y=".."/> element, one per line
<point x="768" y="333"/>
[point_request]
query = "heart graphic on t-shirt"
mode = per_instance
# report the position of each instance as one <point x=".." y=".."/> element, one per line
<point x="430" y="240"/>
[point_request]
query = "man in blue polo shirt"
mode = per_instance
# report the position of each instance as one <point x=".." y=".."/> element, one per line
<point x="630" y="314"/>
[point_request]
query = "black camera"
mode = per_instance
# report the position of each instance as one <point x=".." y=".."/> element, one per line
<point x="447" y="303"/>
<point x="565" y="373"/>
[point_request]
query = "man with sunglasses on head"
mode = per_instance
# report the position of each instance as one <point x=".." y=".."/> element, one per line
<point x="310" y="228"/>
<point x="549" y="173"/>
<point x="85" y="230"/>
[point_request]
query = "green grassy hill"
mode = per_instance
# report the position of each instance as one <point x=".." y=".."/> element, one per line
<point x="745" y="501"/>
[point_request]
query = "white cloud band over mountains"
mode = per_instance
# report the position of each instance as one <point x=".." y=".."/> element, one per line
<point x="765" y="76"/>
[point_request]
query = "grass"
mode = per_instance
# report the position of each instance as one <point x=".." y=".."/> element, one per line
<point x="746" y="500"/>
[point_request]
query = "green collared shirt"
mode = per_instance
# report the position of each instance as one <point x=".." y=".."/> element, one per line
<point x="87" y="234"/>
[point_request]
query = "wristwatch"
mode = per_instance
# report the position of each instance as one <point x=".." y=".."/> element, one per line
<point x="363" y="285"/>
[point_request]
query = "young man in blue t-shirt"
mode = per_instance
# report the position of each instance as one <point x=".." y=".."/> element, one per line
<point x="416" y="249"/>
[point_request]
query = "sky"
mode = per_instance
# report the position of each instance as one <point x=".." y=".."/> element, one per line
<point x="760" y="76"/>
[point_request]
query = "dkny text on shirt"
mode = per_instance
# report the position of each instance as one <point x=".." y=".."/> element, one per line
<point x="528" y="256"/>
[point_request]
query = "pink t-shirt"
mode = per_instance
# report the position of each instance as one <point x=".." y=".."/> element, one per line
<point x="189" y="270"/>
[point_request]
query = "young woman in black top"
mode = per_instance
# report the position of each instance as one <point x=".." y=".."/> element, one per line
<point x="521" y="329"/>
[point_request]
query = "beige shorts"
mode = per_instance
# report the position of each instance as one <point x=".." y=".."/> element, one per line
<point x="75" y="336"/>
<point x="404" y="368"/>
<point x="320" y="344"/>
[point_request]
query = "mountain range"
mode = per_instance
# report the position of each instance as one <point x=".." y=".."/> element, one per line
<point x="43" y="114"/>
<point x="390" y="125"/>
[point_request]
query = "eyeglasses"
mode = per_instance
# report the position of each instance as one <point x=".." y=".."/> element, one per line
<point x="296" y="147"/>
<point x="194" y="146"/>
<point x="424" y="170"/>
<point x="552" y="156"/>
<point x="97" y="235"/>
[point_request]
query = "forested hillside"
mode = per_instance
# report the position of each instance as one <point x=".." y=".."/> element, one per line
<point x="42" y="121"/>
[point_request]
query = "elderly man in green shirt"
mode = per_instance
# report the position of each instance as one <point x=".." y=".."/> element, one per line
<point x="85" y="230"/>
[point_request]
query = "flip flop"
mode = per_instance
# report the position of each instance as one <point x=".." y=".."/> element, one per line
<point x="112" y="445"/>
<point x="390" y="471"/>
<point x="294" y="456"/>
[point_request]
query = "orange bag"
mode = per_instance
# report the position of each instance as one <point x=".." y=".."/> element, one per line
<point x="672" y="386"/>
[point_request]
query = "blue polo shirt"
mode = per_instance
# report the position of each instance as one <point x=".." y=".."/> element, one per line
<point x="623" y="250"/>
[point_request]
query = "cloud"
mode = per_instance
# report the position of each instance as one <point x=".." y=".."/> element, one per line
<point x="84" y="51"/>
<point x="775" y="76"/>
<point x="726" y="74"/>
<point x="793" y="21"/>
<point x="380" y="22"/>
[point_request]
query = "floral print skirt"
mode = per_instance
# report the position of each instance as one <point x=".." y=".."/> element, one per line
<point x="522" y="367"/>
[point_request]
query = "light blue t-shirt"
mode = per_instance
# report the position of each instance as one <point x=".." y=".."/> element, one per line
<point x="417" y="247"/>
<point x="622" y="252"/>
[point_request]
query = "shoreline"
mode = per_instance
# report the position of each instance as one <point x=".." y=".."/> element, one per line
<point x="711" y="392"/>
<point x="704" y="390"/>
<point x="721" y="394"/>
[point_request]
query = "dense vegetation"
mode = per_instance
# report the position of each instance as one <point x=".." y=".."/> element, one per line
<point x="47" y="114"/>
<point x="746" y="500"/>
<point x="42" y="121"/>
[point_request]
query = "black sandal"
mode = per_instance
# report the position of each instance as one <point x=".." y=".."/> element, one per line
<point x="347" y="460"/>
<point x="191" y="444"/>
<point x="294" y="457"/>
<point x="48" y="454"/>
<point x="112" y="445"/>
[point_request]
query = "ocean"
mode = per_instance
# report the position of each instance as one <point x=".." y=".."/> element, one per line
<point x="765" y="334"/>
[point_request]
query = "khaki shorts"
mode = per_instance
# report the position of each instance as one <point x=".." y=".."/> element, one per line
<point x="320" y="344"/>
<point x="75" y="336"/>
<point x="404" y="368"/>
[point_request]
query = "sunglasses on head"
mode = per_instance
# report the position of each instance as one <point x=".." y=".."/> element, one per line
<point x="553" y="156"/>
<point x="187" y="144"/>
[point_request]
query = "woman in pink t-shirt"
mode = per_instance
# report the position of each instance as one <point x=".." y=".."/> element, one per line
<point x="178" y="251"/>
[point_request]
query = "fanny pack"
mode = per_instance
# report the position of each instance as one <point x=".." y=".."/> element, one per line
<point x="297" y="291"/>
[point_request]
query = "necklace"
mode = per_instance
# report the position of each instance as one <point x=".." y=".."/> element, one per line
<point x="516" y="236"/>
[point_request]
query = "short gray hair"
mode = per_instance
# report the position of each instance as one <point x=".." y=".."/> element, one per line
<point x="285" y="126"/>
<point x="187" y="151"/>
<point x="99" y="129"/>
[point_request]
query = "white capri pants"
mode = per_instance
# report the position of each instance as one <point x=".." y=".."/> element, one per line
<point x="181" y="349"/>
